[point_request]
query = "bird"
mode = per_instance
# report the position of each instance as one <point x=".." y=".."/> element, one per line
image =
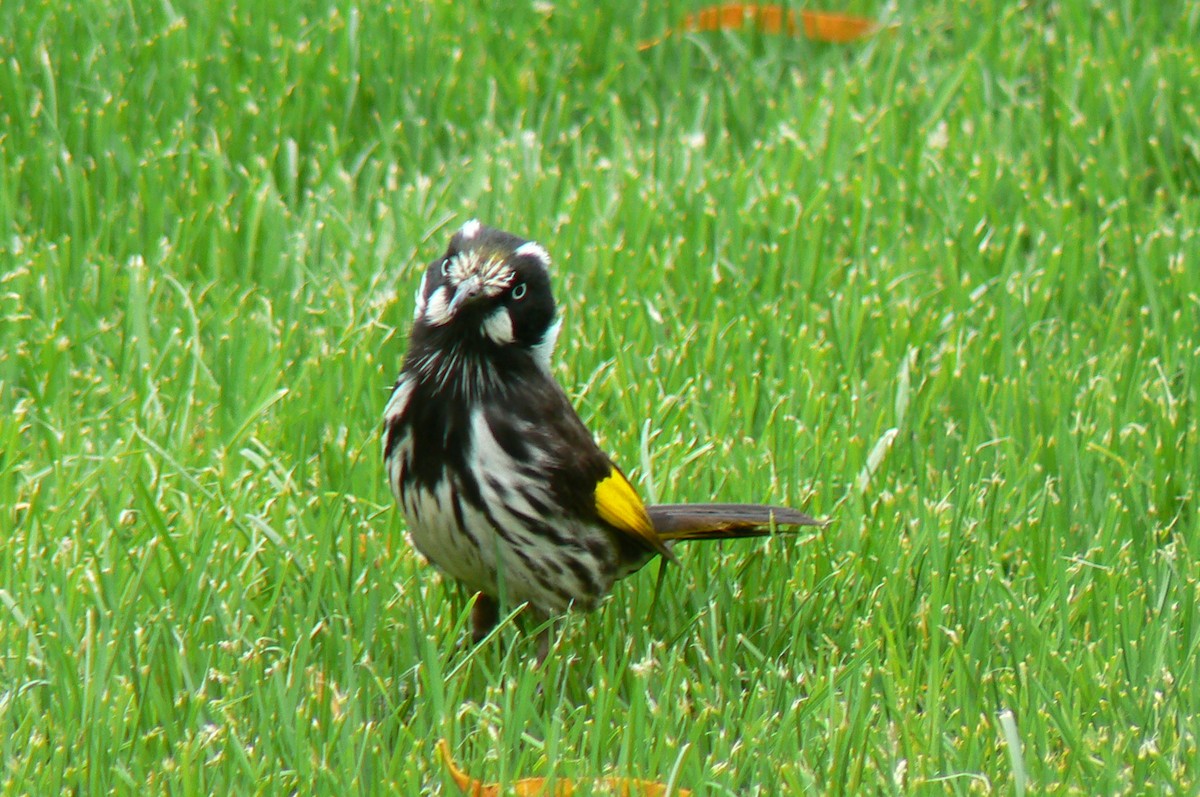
<point x="502" y="486"/>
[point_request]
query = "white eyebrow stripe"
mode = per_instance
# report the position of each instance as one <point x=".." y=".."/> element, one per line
<point x="470" y="229"/>
<point x="534" y="250"/>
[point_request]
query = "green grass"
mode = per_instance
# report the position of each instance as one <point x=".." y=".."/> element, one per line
<point x="974" y="236"/>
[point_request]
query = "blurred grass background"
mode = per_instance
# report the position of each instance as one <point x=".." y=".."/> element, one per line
<point x="939" y="285"/>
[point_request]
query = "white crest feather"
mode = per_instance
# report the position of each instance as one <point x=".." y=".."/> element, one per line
<point x="534" y="250"/>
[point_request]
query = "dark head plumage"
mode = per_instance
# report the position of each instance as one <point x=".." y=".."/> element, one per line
<point x="490" y="288"/>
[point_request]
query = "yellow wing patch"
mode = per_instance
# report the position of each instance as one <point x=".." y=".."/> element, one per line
<point x="618" y="505"/>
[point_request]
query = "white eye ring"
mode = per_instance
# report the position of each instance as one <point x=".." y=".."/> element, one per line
<point x="518" y="291"/>
<point x="446" y="267"/>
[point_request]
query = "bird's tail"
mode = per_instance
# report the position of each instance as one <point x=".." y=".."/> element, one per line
<point x="723" y="521"/>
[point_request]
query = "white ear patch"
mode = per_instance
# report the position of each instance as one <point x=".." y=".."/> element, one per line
<point x="419" y="308"/>
<point x="438" y="307"/>
<point x="470" y="229"/>
<point x="534" y="250"/>
<point x="499" y="326"/>
<point x="544" y="350"/>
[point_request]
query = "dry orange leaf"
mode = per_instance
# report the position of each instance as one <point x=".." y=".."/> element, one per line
<point x="529" y="787"/>
<point x="817" y="25"/>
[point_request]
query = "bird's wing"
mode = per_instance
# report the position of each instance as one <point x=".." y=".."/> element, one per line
<point x="618" y="505"/>
<point x="584" y="479"/>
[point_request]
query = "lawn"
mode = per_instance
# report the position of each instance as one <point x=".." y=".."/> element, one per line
<point x="941" y="285"/>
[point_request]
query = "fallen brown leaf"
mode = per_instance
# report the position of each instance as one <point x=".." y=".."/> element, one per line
<point x="529" y="787"/>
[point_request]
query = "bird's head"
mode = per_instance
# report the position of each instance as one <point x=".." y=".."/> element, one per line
<point x="490" y="287"/>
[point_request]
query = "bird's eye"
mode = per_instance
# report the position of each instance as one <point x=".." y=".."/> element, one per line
<point x="446" y="267"/>
<point x="518" y="291"/>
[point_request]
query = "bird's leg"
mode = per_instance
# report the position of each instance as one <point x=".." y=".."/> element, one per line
<point x="543" y="644"/>
<point x="484" y="616"/>
<point x="544" y="636"/>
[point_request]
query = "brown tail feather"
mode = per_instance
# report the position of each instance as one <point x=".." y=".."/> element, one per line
<point x="723" y="521"/>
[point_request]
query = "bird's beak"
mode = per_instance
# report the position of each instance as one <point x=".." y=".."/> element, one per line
<point x="468" y="291"/>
